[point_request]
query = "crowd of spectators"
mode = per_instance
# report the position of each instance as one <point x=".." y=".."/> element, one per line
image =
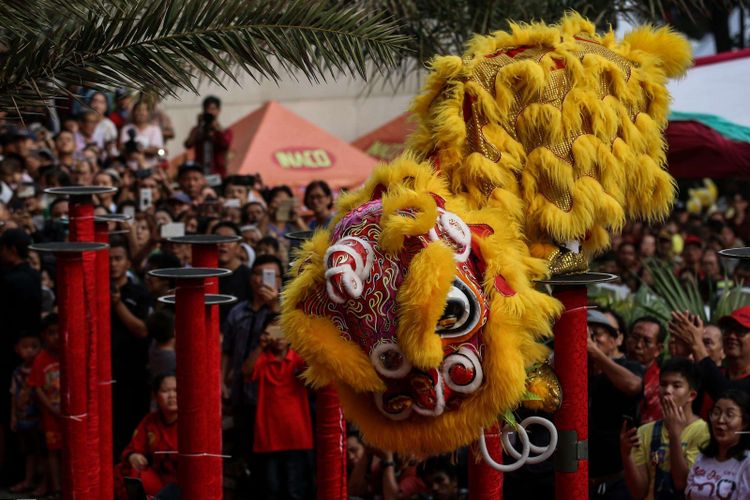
<point x="690" y="390"/>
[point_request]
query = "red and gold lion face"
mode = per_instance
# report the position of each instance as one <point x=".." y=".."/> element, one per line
<point x="393" y="306"/>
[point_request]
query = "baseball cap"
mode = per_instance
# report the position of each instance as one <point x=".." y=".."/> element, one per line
<point x="692" y="239"/>
<point x="180" y="197"/>
<point x="599" y="318"/>
<point x="187" y="167"/>
<point x="741" y="316"/>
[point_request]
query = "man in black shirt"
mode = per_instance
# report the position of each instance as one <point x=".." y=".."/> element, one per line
<point x="131" y="305"/>
<point x="237" y="283"/>
<point x="615" y="385"/>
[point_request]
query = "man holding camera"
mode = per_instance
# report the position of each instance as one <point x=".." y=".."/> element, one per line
<point x="210" y="140"/>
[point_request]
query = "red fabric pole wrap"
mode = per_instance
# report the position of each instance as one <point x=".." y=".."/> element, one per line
<point x="104" y="365"/>
<point x="330" y="430"/>
<point x="81" y="213"/>
<point x="195" y="470"/>
<point x="485" y="483"/>
<point x="73" y="394"/>
<point x="208" y="256"/>
<point x="571" y="366"/>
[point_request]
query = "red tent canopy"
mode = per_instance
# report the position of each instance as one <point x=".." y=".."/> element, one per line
<point x="287" y="149"/>
<point x="387" y="141"/>
<point x="697" y="151"/>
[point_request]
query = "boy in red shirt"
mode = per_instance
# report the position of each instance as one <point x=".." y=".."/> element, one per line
<point x="151" y="455"/>
<point x="45" y="380"/>
<point x="283" y="428"/>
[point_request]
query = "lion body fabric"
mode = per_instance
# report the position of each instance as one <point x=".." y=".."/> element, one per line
<point x="419" y="303"/>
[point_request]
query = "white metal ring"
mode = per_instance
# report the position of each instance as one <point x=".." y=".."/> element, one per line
<point x="509" y="467"/>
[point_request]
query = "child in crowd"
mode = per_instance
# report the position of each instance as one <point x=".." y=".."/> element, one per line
<point x="658" y="456"/>
<point x="161" y="353"/>
<point x="151" y="455"/>
<point x="24" y="417"/>
<point x="45" y="380"/>
<point x="283" y="427"/>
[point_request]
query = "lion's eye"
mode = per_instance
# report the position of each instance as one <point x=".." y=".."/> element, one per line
<point x="460" y="314"/>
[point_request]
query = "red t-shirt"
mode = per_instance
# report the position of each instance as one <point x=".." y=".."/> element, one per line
<point x="282" y="420"/>
<point x="650" y="405"/>
<point x="45" y="374"/>
<point x="157" y="441"/>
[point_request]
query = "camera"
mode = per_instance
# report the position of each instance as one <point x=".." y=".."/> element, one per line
<point x="206" y="120"/>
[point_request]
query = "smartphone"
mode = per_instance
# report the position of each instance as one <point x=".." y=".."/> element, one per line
<point x="172" y="230"/>
<point x="25" y="191"/>
<point x="275" y="332"/>
<point x="144" y="199"/>
<point x="232" y="203"/>
<point x="144" y="173"/>
<point x="128" y="210"/>
<point x="269" y="278"/>
<point x="213" y="180"/>
<point x="284" y="212"/>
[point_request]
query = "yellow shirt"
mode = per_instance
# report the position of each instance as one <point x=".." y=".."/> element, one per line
<point x="693" y="437"/>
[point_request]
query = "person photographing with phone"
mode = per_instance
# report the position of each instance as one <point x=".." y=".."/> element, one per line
<point x="242" y="331"/>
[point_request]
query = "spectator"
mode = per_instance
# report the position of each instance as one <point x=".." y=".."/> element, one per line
<point x="282" y="440"/>
<point x="161" y="353"/>
<point x="147" y="134"/>
<point x="648" y="337"/>
<point x="105" y="133"/>
<point x="658" y="456"/>
<point x="82" y="174"/>
<point x="121" y="114"/>
<point x="24" y="419"/>
<point x="210" y="140"/>
<point x="237" y="283"/>
<point x="614" y="389"/>
<point x="283" y="213"/>
<point x="319" y="199"/>
<point x="714" y="344"/>
<point x="241" y="335"/>
<point x="151" y="454"/>
<point x="130" y="305"/>
<point x="65" y="148"/>
<point x="721" y="470"/>
<point x="191" y="181"/>
<point x="254" y="213"/>
<point x="45" y="379"/>
<point x="647" y="248"/>
<point x="736" y="344"/>
<point x="268" y="246"/>
<point x="107" y="178"/>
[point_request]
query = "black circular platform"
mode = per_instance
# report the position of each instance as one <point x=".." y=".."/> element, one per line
<point x="736" y="253"/>
<point x="189" y="272"/>
<point x="579" y="279"/>
<point x="112" y="218"/>
<point x="68" y="246"/>
<point x="119" y="231"/>
<point x="299" y="235"/>
<point x="80" y="190"/>
<point x="211" y="299"/>
<point x="203" y="239"/>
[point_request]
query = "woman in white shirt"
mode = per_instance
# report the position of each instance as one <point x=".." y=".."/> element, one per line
<point x="105" y="133"/>
<point x="147" y="134"/>
<point x="722" y="470"/>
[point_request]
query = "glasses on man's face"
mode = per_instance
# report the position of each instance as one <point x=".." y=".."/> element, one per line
<point x="729" y="415"/>
<point x="640" y="339"/>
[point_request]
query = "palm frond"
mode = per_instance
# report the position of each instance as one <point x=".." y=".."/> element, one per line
<point x="163" y="46"/>
<point x="679" y="295"/>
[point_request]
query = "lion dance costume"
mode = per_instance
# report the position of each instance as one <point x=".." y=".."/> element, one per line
<point x="419" y="303"/>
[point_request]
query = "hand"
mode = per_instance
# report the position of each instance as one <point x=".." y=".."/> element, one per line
<point x="225" y="391"/>
<point x="268" y="294"/>
<point x="674" y="417"/>
<point x="116" y="297"/>
<point x="592" y="348"/>
<point x="688" y="328"/>
<point x="138" y="461"/>
<point x="628" y="439"/>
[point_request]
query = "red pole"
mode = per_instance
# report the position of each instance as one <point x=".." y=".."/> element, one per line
<point x="571" y="420"/>
<point x="76" y="475"/>
<point x="207" y="255"/>
<point x="81" y="213"/>
<point x="330" y="429"/>
<point x="195" y="471"/>
<point x="486" y="483"/>
<point x="104" y="365"/>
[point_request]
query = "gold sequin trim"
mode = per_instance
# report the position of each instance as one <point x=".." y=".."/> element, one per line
<point x="563" y="261"/>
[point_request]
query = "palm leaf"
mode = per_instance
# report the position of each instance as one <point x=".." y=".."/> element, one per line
<point x="163" y="46"/>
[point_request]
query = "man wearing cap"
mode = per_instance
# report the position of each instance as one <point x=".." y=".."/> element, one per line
<point x="614" y="389"/>
<point x="691" y="255"/>
<point x="191" y="181"/>
<point x="736" y="341"/>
